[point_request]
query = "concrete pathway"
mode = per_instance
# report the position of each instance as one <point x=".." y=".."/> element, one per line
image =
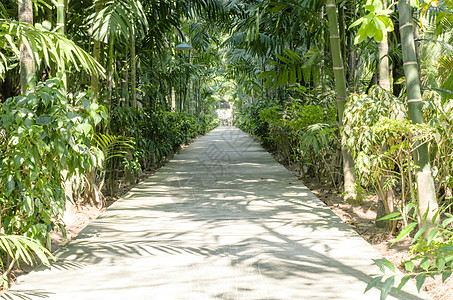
<point x="222" y="220"/>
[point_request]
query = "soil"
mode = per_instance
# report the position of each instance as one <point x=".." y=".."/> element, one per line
<point x="362" y="219"/>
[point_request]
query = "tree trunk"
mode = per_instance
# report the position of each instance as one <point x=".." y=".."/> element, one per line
<point x="384" y="71"/>
<point x="342" y="32"/>
<point x="110" y="76"/>
<point x="61" y="29"/>
<point x="97" y="57"/>
<point x="95" y="76"/>
<point x="126" y="80"/>
<point x="27" y="63"/>
<point x="173" y="98"/>
<point x="70" y="208"/>
<point x="385" y="198"/>
<point x="52" y="71"/>
<point x="397" y="63"/>
<point x="323" y="69"/>
<point x="427" y="202"/>
<point x="133" y="71"/>
<point x="340" y="86"/>
<point x="61" y="16"/>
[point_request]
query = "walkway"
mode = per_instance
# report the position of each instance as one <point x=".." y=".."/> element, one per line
<point x="222" y="220"/>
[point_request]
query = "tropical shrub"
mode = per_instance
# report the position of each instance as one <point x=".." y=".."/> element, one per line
<point x="297" y="133"/>
<point x="439" y="116"/>
<point x="248" y="119"/>
<point x="46" y="141"/>
<point x="431" y="254"/>
<point x="155" y="134"/>
<point x="382" y="141"/>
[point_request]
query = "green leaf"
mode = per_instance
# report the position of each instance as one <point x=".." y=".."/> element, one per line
<point x="420" y="279"/>
<point x="414" y="3"/>
<point x="387" y="287"/>
<point x="390" y="216"/>
<point x="356" y="23"/>
<point x="11" y="184"/>
<point x="380" y="263"/>
<point x="379" y="36"/>
<point x="409" y="266"/>
<point x="404" y="280"/>
<point x="47" y="25"/>
<point x="370" y="7"/>
<point x="380" y="26"/>
<point x="408" y="208"/>
<point x="440" y="263"/>
<point x="361" y="35"/>
<point x="445" y="275"/>
<point x="424" y="264"/>
<point x="446" y="222"/>
<point x="27" y="205"/>
<point x="432" y="235"/>
<point x="265" y="74"/>
<point x="59" y="145"/>
<point x="370" y="30"/>
<point x="373" y="283"/>
<point x="43" y="120"/>
<point x="387" y="22"/>
<point x="419" y="234"/>
<point x="445" y="249"/>
<point x="389" y="265"/>
<point x="87" y="128"/>
<point x="405" y="232"/>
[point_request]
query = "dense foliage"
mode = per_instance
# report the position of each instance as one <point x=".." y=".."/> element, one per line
<point x="46" y="140"/>
<point x="304" y="135"/>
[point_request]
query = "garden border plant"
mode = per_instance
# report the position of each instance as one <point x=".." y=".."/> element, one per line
<point x="46" y="141"/>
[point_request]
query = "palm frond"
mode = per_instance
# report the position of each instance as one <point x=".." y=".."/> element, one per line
<point x="117" y="18"/>
<point x="21" y="247"/>
<point x="114" y="145"/>
<point x="287" y="70"/>
<point x="44" y="46"/>
<point x="445" y="65"/>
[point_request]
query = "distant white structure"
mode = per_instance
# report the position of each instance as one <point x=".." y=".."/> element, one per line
<point x="225" y="113"/>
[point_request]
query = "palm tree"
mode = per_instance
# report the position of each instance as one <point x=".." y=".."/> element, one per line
<point x="340" y="85"/>
<point x="111" y="20"/>
<point x="427" y="201"/>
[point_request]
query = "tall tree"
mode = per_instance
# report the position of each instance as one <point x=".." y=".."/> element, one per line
<point x="341" y="97"/>
<point x="427" y="202"/>
<point x="97" y="57"/>
<point x="133" y="70"/>
<point x="383" y="49"/>
<point x="112" y="22"/>
<point x="384" y="83"/>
